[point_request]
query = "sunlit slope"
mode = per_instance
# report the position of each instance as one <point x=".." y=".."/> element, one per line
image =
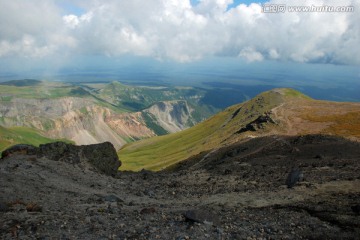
<point x="276" y="112"/>
<point x="159" y="152"/>
<point x="23" y="135"/>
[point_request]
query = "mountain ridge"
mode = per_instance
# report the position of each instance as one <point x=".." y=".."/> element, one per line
<point x="275" y="112"/>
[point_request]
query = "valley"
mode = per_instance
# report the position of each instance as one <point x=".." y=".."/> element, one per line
<point x="93" y="113"/>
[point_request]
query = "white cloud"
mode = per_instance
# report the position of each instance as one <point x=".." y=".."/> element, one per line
<point x="273" y="54"/>
<point x="173" y="29"/>
<point x="71" y="21"/>
<point x="251" y="55"/>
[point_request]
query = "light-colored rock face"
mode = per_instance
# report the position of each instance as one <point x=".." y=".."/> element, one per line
<point x="86" y="127"/>
<point x="77" y="119"/>
<point x="130" y="125"/>
<point x="84" y="122"/>
<point x="173" y="116"/>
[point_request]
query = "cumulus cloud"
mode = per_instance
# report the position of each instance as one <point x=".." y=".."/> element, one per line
<point x="174" y="29"/>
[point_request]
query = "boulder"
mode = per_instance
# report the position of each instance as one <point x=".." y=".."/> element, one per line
<point x="102" y="156"/>
<point x="60" y="151"/>
<point x="19" y="149"/>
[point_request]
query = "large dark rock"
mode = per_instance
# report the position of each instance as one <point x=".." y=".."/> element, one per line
<point x="102" y="156"/>
<point x="60" y="151"/>
<point x="19" y="149"/>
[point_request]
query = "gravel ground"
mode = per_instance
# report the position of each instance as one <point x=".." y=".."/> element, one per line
<point x="237" y="192"/>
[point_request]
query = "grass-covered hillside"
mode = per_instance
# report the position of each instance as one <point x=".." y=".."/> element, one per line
<point x="276" y="112"/>
<point x="159" y="152"/>
<point x="23" y="135"/>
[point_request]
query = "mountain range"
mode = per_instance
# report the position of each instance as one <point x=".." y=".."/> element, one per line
<point x="93" y="113"/>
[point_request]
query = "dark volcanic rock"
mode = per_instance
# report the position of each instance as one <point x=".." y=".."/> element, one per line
<point x="58" y="200"/>
<point x="60" y="151"/>
<point x="3" y="207"/>
<point x="148" y="210"/>
<point x="356" y="209"/>
<point x="294" y="176"/>
<point x="258" y="123"/>
<point x="103" y="156"/>
<point x="201" y="216"/>
<point x="19" y="149"/>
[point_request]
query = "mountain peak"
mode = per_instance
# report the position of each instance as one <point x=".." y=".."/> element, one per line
<point x="290" y="92"/>
<point x="281" y="111"/>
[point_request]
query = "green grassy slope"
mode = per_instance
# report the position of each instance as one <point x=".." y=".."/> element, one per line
<point x="42" y="90"/>
<point x="35" y="89"/>
<point x="160" y="152"/>
<point x="17" y="135"/>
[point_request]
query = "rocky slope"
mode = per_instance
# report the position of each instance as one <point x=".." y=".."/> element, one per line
<point x="173" y="116"/>
<point x="237" y="193"/>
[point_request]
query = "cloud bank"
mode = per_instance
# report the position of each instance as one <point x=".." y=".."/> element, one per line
<point x="180" y="31"/>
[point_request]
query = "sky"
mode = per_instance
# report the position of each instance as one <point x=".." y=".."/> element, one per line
<point x="50" y="36"/>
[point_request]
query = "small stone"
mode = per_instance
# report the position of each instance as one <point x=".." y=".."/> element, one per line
<point x="201" y="216"/>
<point x="294" y="176"/>
<point x="148" y="210"/>
<point x="112" y="198"/>
<point x="3" y="207"/>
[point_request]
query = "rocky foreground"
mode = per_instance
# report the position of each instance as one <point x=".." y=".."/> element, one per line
<point x="238" y="192"/>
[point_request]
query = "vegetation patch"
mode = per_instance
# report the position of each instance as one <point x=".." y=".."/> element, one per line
<point x="150" y="123"/>
<point x="6" y="98"/>
<point x="23" y="135"/>
<point x="346" y="125"/>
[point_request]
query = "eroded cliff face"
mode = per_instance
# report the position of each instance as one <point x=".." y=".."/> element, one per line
<point x="76" y="119"/>
<point x="87" y="126"/>
<point x="84" y="122"/>
<point x="173" y="116"/>
<point x="130" y="125"/>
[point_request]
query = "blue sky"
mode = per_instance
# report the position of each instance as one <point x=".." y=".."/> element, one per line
<point x="46" y="36"/>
